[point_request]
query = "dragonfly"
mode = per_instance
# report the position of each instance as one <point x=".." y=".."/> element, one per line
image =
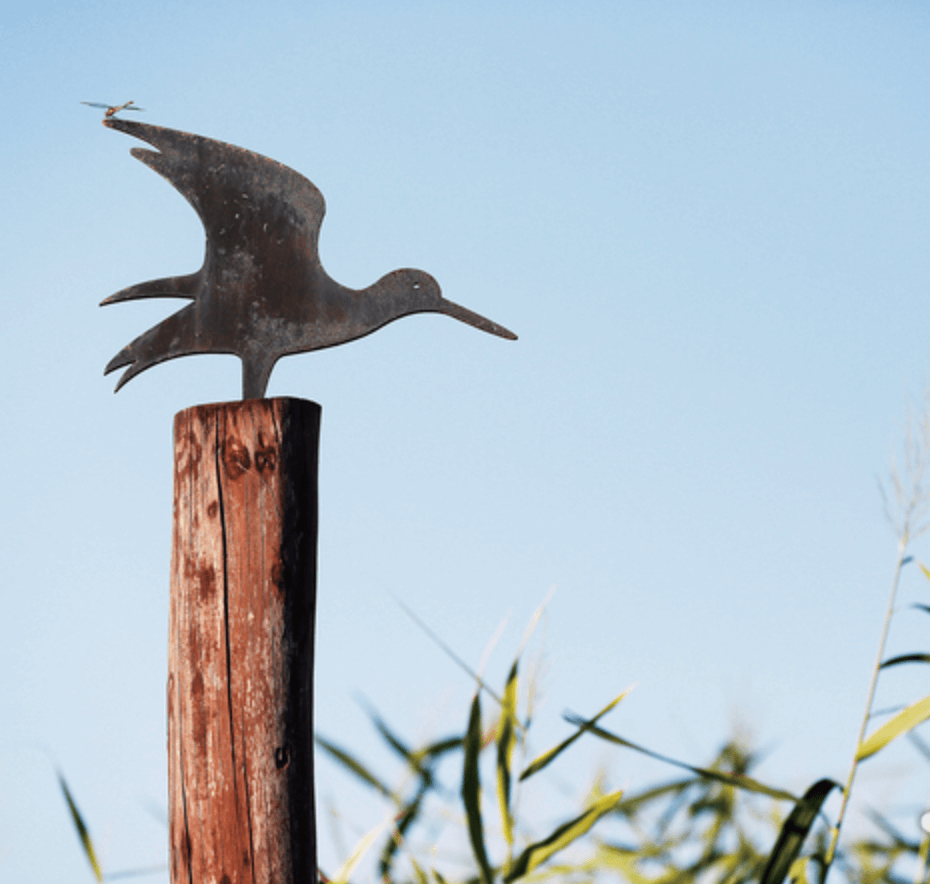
<point x="111" y="109"/>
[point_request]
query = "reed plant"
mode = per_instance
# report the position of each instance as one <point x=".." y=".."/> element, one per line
<point x="906" y="497"/>
<point x="715" y="823"/>
<point x="710" y="824"/>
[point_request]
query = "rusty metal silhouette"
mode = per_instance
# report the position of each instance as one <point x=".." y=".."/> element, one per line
<point x="262" y="292"/>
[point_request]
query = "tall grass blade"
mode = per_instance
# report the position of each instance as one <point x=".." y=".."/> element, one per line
<point x="797" y="874"/>
<point x="794" y="831"/>
<point x="738" y="781"/>
<point x="424" y="760"/>
<point x="906" y="658"/>
<point x="418" y="761"/>
<point x="440" y="747"/>
<point x="403" y="821"/>
<point x="391" y="738"/>
<point x="356" y="767"/>
<point x="358" y="853"/>
<point x="420" y="874"/>
<point x="449" y="652"/>
<point x="81" y="829"/>
<point x="471" y="789"/>
<point x="625" y="860"/>
<point x="492" y="644"/>
<point x="583" y="725"/>
<point x="900" y="724"/>
<point x="538" y="853"/>
<point x="506" y="737"/>
<point x="421" y="762"/>
<point x="427" y="757"/>
<point x="534" y="620"/>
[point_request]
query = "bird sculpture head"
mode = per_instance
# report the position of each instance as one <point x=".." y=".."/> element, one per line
<point x="261" y="293"/>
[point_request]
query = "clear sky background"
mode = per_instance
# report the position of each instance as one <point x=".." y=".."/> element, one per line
<point x="709" y="225"/>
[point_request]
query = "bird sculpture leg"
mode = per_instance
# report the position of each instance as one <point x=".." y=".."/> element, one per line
<point x="256" y="370"/>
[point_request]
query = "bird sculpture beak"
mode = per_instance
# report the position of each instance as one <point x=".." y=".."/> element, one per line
<point x="463" y="315"/>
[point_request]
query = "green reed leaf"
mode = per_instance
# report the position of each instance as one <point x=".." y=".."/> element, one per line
<point x="900" y="724"/>
<point x="81" y="829"/>
<point x="506" y="738"/>
<point x="797" y="874"/>
<point x="395" y="742"/>
<point x="358" y="853"/>
<point x="538" y="853"/>
<point x="355" y="766"/>
<point x="583" y="725"/>
<point x="794" y="831"/>
<point x="471" y="789"/>
<point x="738" y="781"/>
<point x="906" y="658"/>
<point x="420" y="874"/>
<point x="402" y="822"/>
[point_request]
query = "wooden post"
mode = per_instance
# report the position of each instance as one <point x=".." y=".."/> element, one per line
<point x="240" y="660"/>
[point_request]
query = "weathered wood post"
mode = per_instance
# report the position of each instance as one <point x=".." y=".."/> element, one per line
<point x="240" y="659"/>
<point x="243" y="571"/>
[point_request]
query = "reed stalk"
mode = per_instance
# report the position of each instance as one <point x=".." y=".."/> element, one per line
<point x="854" y="766"/>
<point x="907" y="508"/>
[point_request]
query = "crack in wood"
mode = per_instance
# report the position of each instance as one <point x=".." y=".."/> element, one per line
<point x="250" y="521"/>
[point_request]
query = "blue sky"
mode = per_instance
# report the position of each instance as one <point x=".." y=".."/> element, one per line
<point x="708" y="224"/>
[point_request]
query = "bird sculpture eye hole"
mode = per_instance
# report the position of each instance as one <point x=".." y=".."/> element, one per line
<point x="416" y="285"/>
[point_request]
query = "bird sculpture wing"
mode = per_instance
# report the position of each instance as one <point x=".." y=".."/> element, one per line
<point x="262" y="223"/>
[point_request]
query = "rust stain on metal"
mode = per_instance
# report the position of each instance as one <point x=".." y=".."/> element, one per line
<point x="262" y="292"/>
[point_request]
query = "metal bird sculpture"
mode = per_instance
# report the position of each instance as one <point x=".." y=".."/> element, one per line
<point x="261" y="293"/>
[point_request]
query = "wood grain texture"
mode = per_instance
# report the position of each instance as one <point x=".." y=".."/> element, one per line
<point x="240" y="662"/>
